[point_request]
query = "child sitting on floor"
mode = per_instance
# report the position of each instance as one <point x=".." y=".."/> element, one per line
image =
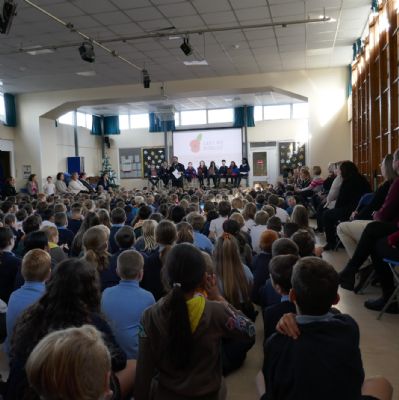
<point x="320" y="359"/>
<point x="280" y="268"/>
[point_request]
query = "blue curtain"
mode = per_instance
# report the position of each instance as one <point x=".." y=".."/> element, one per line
<point x="239" y="116"/>
<point x="250" y="116"/>
<point x="11" y="112"/>
<point x="160" y="126"/>
<point x="154" y="123"/>
<point x="96" y="128"/>
<point x="111" y="125"/>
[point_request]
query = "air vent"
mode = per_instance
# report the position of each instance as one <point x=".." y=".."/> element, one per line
<point x="254" y="145"/>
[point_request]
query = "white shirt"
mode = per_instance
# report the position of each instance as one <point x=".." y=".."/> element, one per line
<point x="334" y="192"/>
<point x="76" y="186"/>
<point x="49" y="189"/>
<point x="216" y="226"/>
<point x="282" y="214"/>
<point x="256" y="232"/>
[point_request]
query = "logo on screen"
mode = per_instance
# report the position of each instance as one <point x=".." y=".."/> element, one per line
<point x="195" y="144"/>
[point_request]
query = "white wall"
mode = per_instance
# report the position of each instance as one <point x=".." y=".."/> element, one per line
<point x="329" y="130"/>
<point x="58" y="144"/>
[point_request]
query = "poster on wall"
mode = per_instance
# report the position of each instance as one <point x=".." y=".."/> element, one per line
<point x="26" y="171"/>
<point x="291" y="155"/>
<point x="130" y="163"/>
<point x="152" y="156"/>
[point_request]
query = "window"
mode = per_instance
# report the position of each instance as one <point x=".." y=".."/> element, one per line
<point x="81" y="119"/>
<point x="89" y="121"/>
<point x="177" y="118"/>
<point x="123" y="122"/>
<point x="2" y="108"/>
<point x="220" y="115"/>
<point x="300" y="110"/>
<point x="277" y="112"/>
<point x="195" y="117"/>
<point x="139" y="121"/>
<point x="258" y="113"/>
<point x="66" y="119"/>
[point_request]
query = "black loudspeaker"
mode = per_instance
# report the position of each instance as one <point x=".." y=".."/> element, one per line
<point x="107" y="141"/>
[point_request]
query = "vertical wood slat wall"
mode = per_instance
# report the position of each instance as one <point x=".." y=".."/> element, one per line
<point x="375" y="91"/>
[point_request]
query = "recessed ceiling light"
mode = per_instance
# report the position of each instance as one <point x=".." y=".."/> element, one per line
<point x="86" y="73"/>
<point x="175" y="37"/>
<point x="40" y="52"/>
<point x="195" y="62"/>
<point x="1" y="83"/>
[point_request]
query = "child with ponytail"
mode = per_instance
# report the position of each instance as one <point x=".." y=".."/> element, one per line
<point x="95" y="251"/>
<point x="181" y="334"/>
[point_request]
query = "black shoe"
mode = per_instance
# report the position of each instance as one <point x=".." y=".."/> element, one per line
<point x="379" y="304"/>
<point x="347" y="280"/>
<point x="329" y="247"/>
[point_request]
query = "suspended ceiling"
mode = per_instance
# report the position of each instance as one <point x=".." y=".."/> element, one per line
<point x="227" y="53"/>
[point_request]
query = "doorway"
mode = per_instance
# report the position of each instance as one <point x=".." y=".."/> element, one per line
<point x="5" y="165"/>
<point x="263" y="162"/>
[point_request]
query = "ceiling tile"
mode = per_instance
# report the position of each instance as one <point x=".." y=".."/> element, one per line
<point x="112" y="18"/>
<point x="177" y="10"/>
<point x="219" y="17"/>
<point x="144" y="14"/>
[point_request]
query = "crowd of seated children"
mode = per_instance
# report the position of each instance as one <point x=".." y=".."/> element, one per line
<point x="204" y="256"/>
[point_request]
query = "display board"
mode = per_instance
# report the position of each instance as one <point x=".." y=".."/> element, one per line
<point x="152" y="155"/>
<point x="130" y="163"/>
<point x="208" y="145"/>
<point x="291" y="155"/>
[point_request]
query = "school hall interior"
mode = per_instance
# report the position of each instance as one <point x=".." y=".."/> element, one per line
<point x="121" y="86"/>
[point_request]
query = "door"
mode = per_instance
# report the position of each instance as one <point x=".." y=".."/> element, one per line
<point x="263" y="161"/>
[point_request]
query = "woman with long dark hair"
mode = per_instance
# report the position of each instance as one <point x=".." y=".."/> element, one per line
<point x="72" y="299"/>
<point x="181" y="334"/>
<point x="353" y="187"/>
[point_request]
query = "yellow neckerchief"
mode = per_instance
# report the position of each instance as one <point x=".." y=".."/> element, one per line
<point x="195" y="307"/>
<point x="52" y="245"/>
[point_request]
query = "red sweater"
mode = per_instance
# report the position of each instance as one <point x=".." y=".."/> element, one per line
<point x="389" y="212"/>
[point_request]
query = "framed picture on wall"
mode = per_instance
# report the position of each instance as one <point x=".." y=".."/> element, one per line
<point x="130" y="165"/>
<point x="291" y="155"/>
<point x="152" y="156"/>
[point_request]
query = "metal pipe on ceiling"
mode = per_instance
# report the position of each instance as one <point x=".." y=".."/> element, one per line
<point x="153" y="35"/>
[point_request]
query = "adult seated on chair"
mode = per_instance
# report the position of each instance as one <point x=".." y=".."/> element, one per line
<point x="354" y="185"/>
<point x="75" y="186"/>
<point x="385" y="223"/>
<point x="350" y="232"/>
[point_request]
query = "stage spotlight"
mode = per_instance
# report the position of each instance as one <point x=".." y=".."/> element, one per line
<point x="86" y="51"/>
<point x="186" y="47"/>
<point x="9" y="12"/>
<point x="146" y="79"/>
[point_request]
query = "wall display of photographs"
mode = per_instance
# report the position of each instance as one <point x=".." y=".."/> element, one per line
<point x="152" y="156"/>
<point x="130" y="166"/>
<point x="291" y="155"/>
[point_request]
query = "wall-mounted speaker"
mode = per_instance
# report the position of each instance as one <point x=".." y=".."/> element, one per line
<point x="107" y="141"/>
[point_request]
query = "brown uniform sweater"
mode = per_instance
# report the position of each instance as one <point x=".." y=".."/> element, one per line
<point x="202" y="379"/>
